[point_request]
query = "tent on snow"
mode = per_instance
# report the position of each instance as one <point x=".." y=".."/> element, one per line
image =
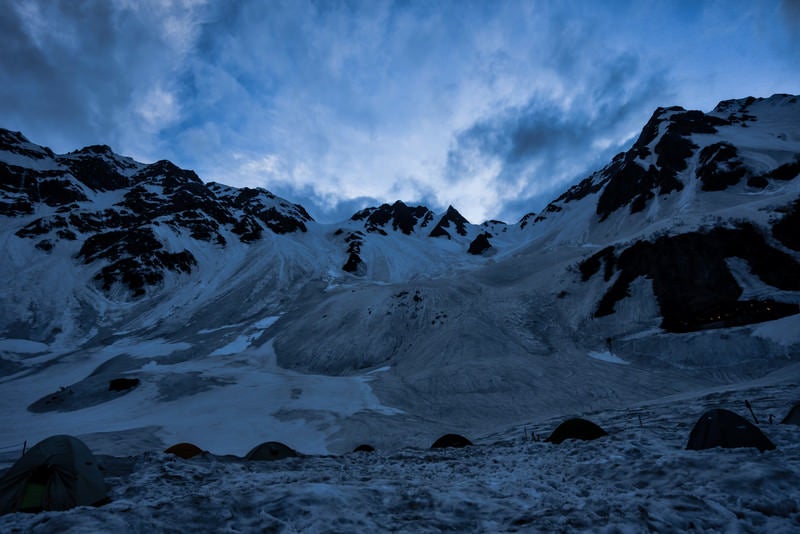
<point x="576" y="428"/>
<point x="793" y="417"/>
<point x="57" y="473"/>
<point x="451" y="440"/>
<point x="271" y="450"/>
<point x="723" y="428"/>
<point x="364" y="447"/>
<point x="184" y="450"/>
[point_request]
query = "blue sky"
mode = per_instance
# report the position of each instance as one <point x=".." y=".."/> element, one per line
<point x="495" y="107"/>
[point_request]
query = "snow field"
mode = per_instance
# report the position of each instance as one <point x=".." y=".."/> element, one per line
<point x="638" y="479"/>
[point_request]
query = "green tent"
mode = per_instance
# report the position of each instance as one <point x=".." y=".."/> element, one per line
<point x="57" y="473"/>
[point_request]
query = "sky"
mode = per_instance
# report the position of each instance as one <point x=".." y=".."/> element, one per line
<point x="495" y="107"/>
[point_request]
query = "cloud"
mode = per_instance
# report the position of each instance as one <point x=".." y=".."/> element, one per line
<point x="528" y="154"/>
<point x="491" y="107"/>
<point x="158" y="109"/>
<point x="76" y="73"/>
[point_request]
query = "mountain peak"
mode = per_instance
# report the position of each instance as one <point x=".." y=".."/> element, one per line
<point x="17" y="143"/>
<point x="401" y="216"/>
<point x="739" y="105"/>
<point x="95" y="149"/>
<point x="451" y="218"/>
<point x="10" y="137"/>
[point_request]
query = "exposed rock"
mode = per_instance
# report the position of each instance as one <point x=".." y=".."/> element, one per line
<point x="720" y="167"/>
<point x="553" y="207"/>
<point x="402" y="217"/>
<point x="787" y="229"/>
<point x="480" y="244"/>
<point x="96" y="171"/>
<point x="692" y="282"/>
<point x="122" y="384"/>
<point x="526" y="219"/>
<point x="788" y="171"/>
<point x="16" y="143"/>
<point x="631" y="181"/>
<point x="136" y="258"/>
<point x="451" y="219"/>
<point x="354" y="262"/>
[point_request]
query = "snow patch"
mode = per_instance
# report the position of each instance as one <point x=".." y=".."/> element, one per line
<point x="266" y="322"/>
<point x="607" y="356"/>
<point x="240" y="344"/>
<point x="785" y="331"/>
<point x="217" y="329"/>
<point x="22" y="346"/>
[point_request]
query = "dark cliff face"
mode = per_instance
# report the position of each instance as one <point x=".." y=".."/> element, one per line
<point x="631" y="181"/>
<point x="480" y="244"/>
<point x="120" y="238"/>
<point x="354" y="263"/>
<point x="787" y="228"/>
<point x="451" y="220"/>
<point x="692" y="281"/>
<point x="397" y="216"/>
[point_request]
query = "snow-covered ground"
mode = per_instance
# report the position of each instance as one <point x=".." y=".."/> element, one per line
<point x="637" y="479"/>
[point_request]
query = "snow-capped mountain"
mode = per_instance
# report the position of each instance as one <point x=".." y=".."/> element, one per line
<point x="675" y="266"/>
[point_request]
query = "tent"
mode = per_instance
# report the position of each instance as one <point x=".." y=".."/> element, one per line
<point x="364" y="448"/>
<point x="184" y="450"/>
<point x="451" y="440"/>
<point x="723" y="428"/>
<point x="271" y="450"/>
<point x="793" y="417"/>
<point x="57" y="473"/>
<point x="576" y="429"/>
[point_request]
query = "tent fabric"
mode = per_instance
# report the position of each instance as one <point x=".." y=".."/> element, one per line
<point x="57" y="473"/>
<point x="723" y="428"/>
<point x="793" y="417"/>
<point x="576" y="428"/>
<point x="451" y="440"/>
<point x="271" y="450"/>
<point x="184" y="450"/>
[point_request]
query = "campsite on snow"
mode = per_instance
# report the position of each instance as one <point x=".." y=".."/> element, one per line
<point x="653" y="308"/>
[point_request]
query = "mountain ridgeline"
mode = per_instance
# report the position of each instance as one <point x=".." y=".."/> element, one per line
<point x="673" y="268"/>
<point x="696" y="197"/>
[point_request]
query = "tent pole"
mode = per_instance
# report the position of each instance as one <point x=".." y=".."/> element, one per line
<point x="750" y="407"/>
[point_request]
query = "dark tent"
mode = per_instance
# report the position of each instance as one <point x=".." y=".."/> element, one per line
<point x="451" y="440"/>
<point x="58" y="473"/>
<point x="271" y="450"/>
<point x="793" y="417"/>
<point x="576" y="429"/>
<point x="184" y="450"/>
<point x="723" y="428"/>
<point x="364" y="448"/>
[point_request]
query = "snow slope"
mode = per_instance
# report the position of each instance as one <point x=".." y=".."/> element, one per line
<point x="244" y="320"/>
<point x="637" y="479"/>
